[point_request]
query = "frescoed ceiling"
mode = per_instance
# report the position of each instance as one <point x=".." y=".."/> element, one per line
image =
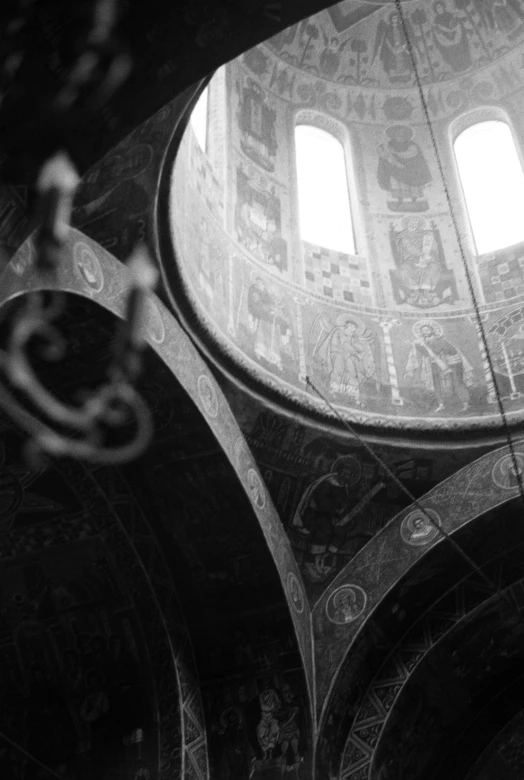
<point x="365" y="43"/>
<point x="278" y="595"/>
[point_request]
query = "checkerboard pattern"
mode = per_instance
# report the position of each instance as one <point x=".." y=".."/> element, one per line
<point x="343" y="278"/>
<point x="502" y="274"/>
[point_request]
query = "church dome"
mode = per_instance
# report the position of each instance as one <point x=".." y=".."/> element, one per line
<point x="411" y="324"/>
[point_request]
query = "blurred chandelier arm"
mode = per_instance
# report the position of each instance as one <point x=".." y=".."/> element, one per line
<point x="116" y="406"/>
<point x="112" y="423"/>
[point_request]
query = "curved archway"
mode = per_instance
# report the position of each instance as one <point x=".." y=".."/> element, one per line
<point x="438" y="594"/>
<point x="212" y="421"/>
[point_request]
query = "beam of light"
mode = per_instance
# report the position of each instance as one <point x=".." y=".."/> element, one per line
<point x="323" y="196"/>
<point x="493" y="184"/>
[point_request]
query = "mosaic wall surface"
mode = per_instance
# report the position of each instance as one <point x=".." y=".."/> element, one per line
<point x="332" y="496"/>
<point x="389" y="334"/>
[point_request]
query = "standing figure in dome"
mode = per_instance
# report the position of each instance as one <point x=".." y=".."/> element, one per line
<point x="268" y="324"/>
<point x="268" y="727"/>
<point x="392" y="48"/>
<point x="257" y="123"/>
<point x="331" y="56"/>
<point x="421" y="278"/>
<point x="504" y="16"/>
<point x="437" y="367"/>
<point x="403" y="170"/>
<point x="451" y="38"/>
<point x="346" y="354"/>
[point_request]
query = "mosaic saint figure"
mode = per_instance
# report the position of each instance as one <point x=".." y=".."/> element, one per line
<point x="403" y="170"/>
<point x="439" y="367"/>
<point x="507" y="474"/>
<point x="289" y="729"/>
<point x="347" y="354"/>
<point x="345" y="606"/>
<point x="324" y="523"/>
<point x="268" y="324"/>
<point x="391" y="47"/>
<point x="258" y="222"/>
<point x="257" y="123"/>
<point x="268" y="727"/>
<point x="451" y="38"/>
<point x="235" y="757"/>
<point x="501" y="15"/>
<point x="421" y="278"/>
<point x="210" y="272"/>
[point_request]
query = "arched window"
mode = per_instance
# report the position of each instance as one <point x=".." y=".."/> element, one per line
<point x="199" y="119"/>
<point x="493" y="184"/>
<point x="323" y="195"/>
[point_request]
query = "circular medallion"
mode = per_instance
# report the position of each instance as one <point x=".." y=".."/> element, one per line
<point x="420" y="528"/>
<point x="23" y="259"/>
<point x="295" y="592"/>
<point x="426" y="328"/>
<point x="208" y="395"/>
<point x="256" y="489"/>
<point x="153" y="322"/>
<point x="347" y="470"/>
<point x="87" y="267"/>
<point x="504" y="473"/>
<point x="239" y="453"/>
<point x="346" y="604"/>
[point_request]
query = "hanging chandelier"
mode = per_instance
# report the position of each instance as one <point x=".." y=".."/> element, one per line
<point x="111" y="424"/>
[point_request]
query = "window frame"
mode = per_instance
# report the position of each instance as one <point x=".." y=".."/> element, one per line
<point x="458" y="126"/>
<point x="205" y="90"/>
<point x="341" y="133"/>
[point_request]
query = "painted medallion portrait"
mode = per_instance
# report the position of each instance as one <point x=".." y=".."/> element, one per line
<point x="87" y="268"/>
<point x="208" y="395"/>
<point x="256" y="489"/>
<point x="346" y="604"/>
<point x="295" y="592"/>
<point x="420" y="528"/>
<point x="508" y="471"/>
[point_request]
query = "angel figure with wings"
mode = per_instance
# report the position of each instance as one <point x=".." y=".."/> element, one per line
<point x="347" y="355"/>
<point x="331" y="55"/>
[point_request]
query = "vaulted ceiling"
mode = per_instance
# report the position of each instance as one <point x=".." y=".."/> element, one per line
<point x="267" y="637"/>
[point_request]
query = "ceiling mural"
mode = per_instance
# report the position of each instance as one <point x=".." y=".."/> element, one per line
<point x="484" y="484"/>
<point x="388" y="337"/>
<point x="259" y="595"/>
<point x="365" y="43"/>
<point x="332" y="496"/>
<point x="382" y="341"/>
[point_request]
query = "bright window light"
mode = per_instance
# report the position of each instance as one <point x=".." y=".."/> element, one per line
<point x="323" y="197"/>
<point x="493" y="185"/>
<point x="199" y="119"/>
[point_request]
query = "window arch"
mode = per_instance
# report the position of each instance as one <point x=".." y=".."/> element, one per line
<point x="198" y="119"/>
<point x="323" y="193"/>
<point x="492" y="180"/>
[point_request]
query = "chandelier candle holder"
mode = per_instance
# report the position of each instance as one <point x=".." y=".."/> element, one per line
<point x="115" y="411"/>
